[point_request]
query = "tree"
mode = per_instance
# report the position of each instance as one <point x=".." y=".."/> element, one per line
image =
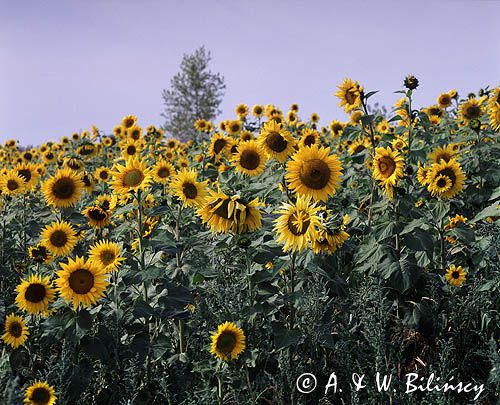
<point x="195" y="92"/>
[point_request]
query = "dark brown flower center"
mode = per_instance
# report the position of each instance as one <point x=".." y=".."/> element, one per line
<point x="163" y="172"/>
<point x="276" y="142"/>
<point x="97" y="214"/>
<point x="25" y="174"/>
<point x="249" y="159"/>
<point x="350" y="96"/>
<point x="103" y="175"/>
<point x="58" y="238"/>
<point x="16" y="329"/>
<point x="472" y="111"/>
<point x="12" y="185"/>
<point x="129" y="122"/>
<point x="219" y="144"/>
<point x="315" y="174"/>
<point x="131" y="150"/>
<point x="107" y="257"/>
<point x="189" y="190"/>
<point x="226" y="342"/>
<point x="81" y="281"/>
<point x="310" y="140"/>
<point x="64" y="188"/>
<point x="455" y="275"/>
<point x="40" y="396"/>
<point x="35" y="293"/>
<point x="441" y="182"/>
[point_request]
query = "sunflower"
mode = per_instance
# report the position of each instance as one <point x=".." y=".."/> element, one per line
<point x="349" y="95"/>
<point x="494" y="114"/>
<point x="228" y="341"/>
<point x="108" y="141"/>
<point x="134" y="176"/>
<point x="74" y="163"/>
<point x="81" y="281"/>
<point x="59" y="238"/>
<point x="220" y="145"/>
<point x="329" y="238"/>
<point x="130" y="148"/>
<point x="29" y="174"/>
<point x="277" y="142"/>
<point x="106" y="202"/>
<point x="34" y="294"/>
<point x="455" y="275"/>
<point x="422" y="174"/>
<point x="162" y="171"/>
<point x="134" y="133"/>
<point x="129" y="121"/>
<point x="250" y="158"/>
<point x="296" y="225"/>
<point x="15" y="331"/>
<point x="40" y="254"/>
<point x="48" y="157"/>
<point x="106" y="255"/>
<point x="246" y="136"/>
<point x="444" y="100"/>
<point x="357" y="146"/>
<point x="11" y="183"/>
<point x="201" y="125"/>
<point x="292" y="118"/>
<point x="186" y="187"/>
<point x="102" y="174"/>
<point x="470" y="110"/>
<point x="388" y="168"/>
<point x="97" y="216"/>
<point x="336" y="128"/>
<point x="224" y="214"/>
<point x="435" y="113"/>
<point x="444" y="152"/>
<point x="39" y="393"/>
<point x="88" y="182"/>
<point x="445" y="179"/>
<point x="355" y="117"/>
<point x="309" y="137"/>
<point x="241" y="110"/>
<point x="383" y="126"/>
<point x="234" y="127"/>
<point x="312" y="171"/>
<point x="258" y="110"/>
<point x="63" y="189"/>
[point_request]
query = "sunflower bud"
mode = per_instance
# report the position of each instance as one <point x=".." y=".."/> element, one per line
<point x="475" y="125"/>
<point x="411" y="82"/>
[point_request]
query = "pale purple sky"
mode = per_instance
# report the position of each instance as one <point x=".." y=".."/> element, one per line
<point x="65" y="65"/>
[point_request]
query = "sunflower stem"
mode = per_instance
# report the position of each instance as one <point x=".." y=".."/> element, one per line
<point x="219" y="390"/>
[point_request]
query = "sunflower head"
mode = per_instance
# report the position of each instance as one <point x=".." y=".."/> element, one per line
<point x="388" y="166"/>
<point x="228" y="342"/>
<point x="34" y="294"/>
<point x="186" y="187"/>
<point x="445" y="179"/>
<point x="134" y="176"/>
<point x="250" y="159"/>
<point x="276" y="141"/>
<point x="455" y="276"/>
<point x="15" y="331"/>
<point x="106" y="254"/>
<point x="40" y="393"/>
<point x="59" y="238"/>
<point x="349" y="94"/>
<point x="63" y="189"/>
<point x="11" y="183"/>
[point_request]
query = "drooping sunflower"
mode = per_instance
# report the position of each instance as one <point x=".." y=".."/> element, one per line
<point x="39" y="393"/>
<point x="106" y="254"/>
<point x="445" y="179"/>
<point x="276" y="141"/>
<point x="470" y="109"/>
<point x="134" y="176"/>
<point x="163" y="171"/>
<point x="388" y="168"/>
<point x="81" y="281"/>
<point x="220" y="145"/>
<point x="224" y="214"/>
<point x="186" y="187"/>
<point x="34" y="294"/>
<point x="455" y="275"/>
<point x="228" y="342"/>
<point x="63" y="189"/>
<point x="11" y="183"/>
<point x="97" y="216"/>
<point x="329" y="238"/>
<point x="445" y="152"/>
<point x="312" y="171"/>
<point x="349" y="94"/>
<point x="15" y="331"/>
<point x="297" y="224"/>
<point x="59" y="238"/>
<point x="250" y="158"/>
<point x="40" y="254"/>
<point x="102" y="174"/>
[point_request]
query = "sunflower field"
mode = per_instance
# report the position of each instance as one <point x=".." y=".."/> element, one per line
<point x="137" y="269"/>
